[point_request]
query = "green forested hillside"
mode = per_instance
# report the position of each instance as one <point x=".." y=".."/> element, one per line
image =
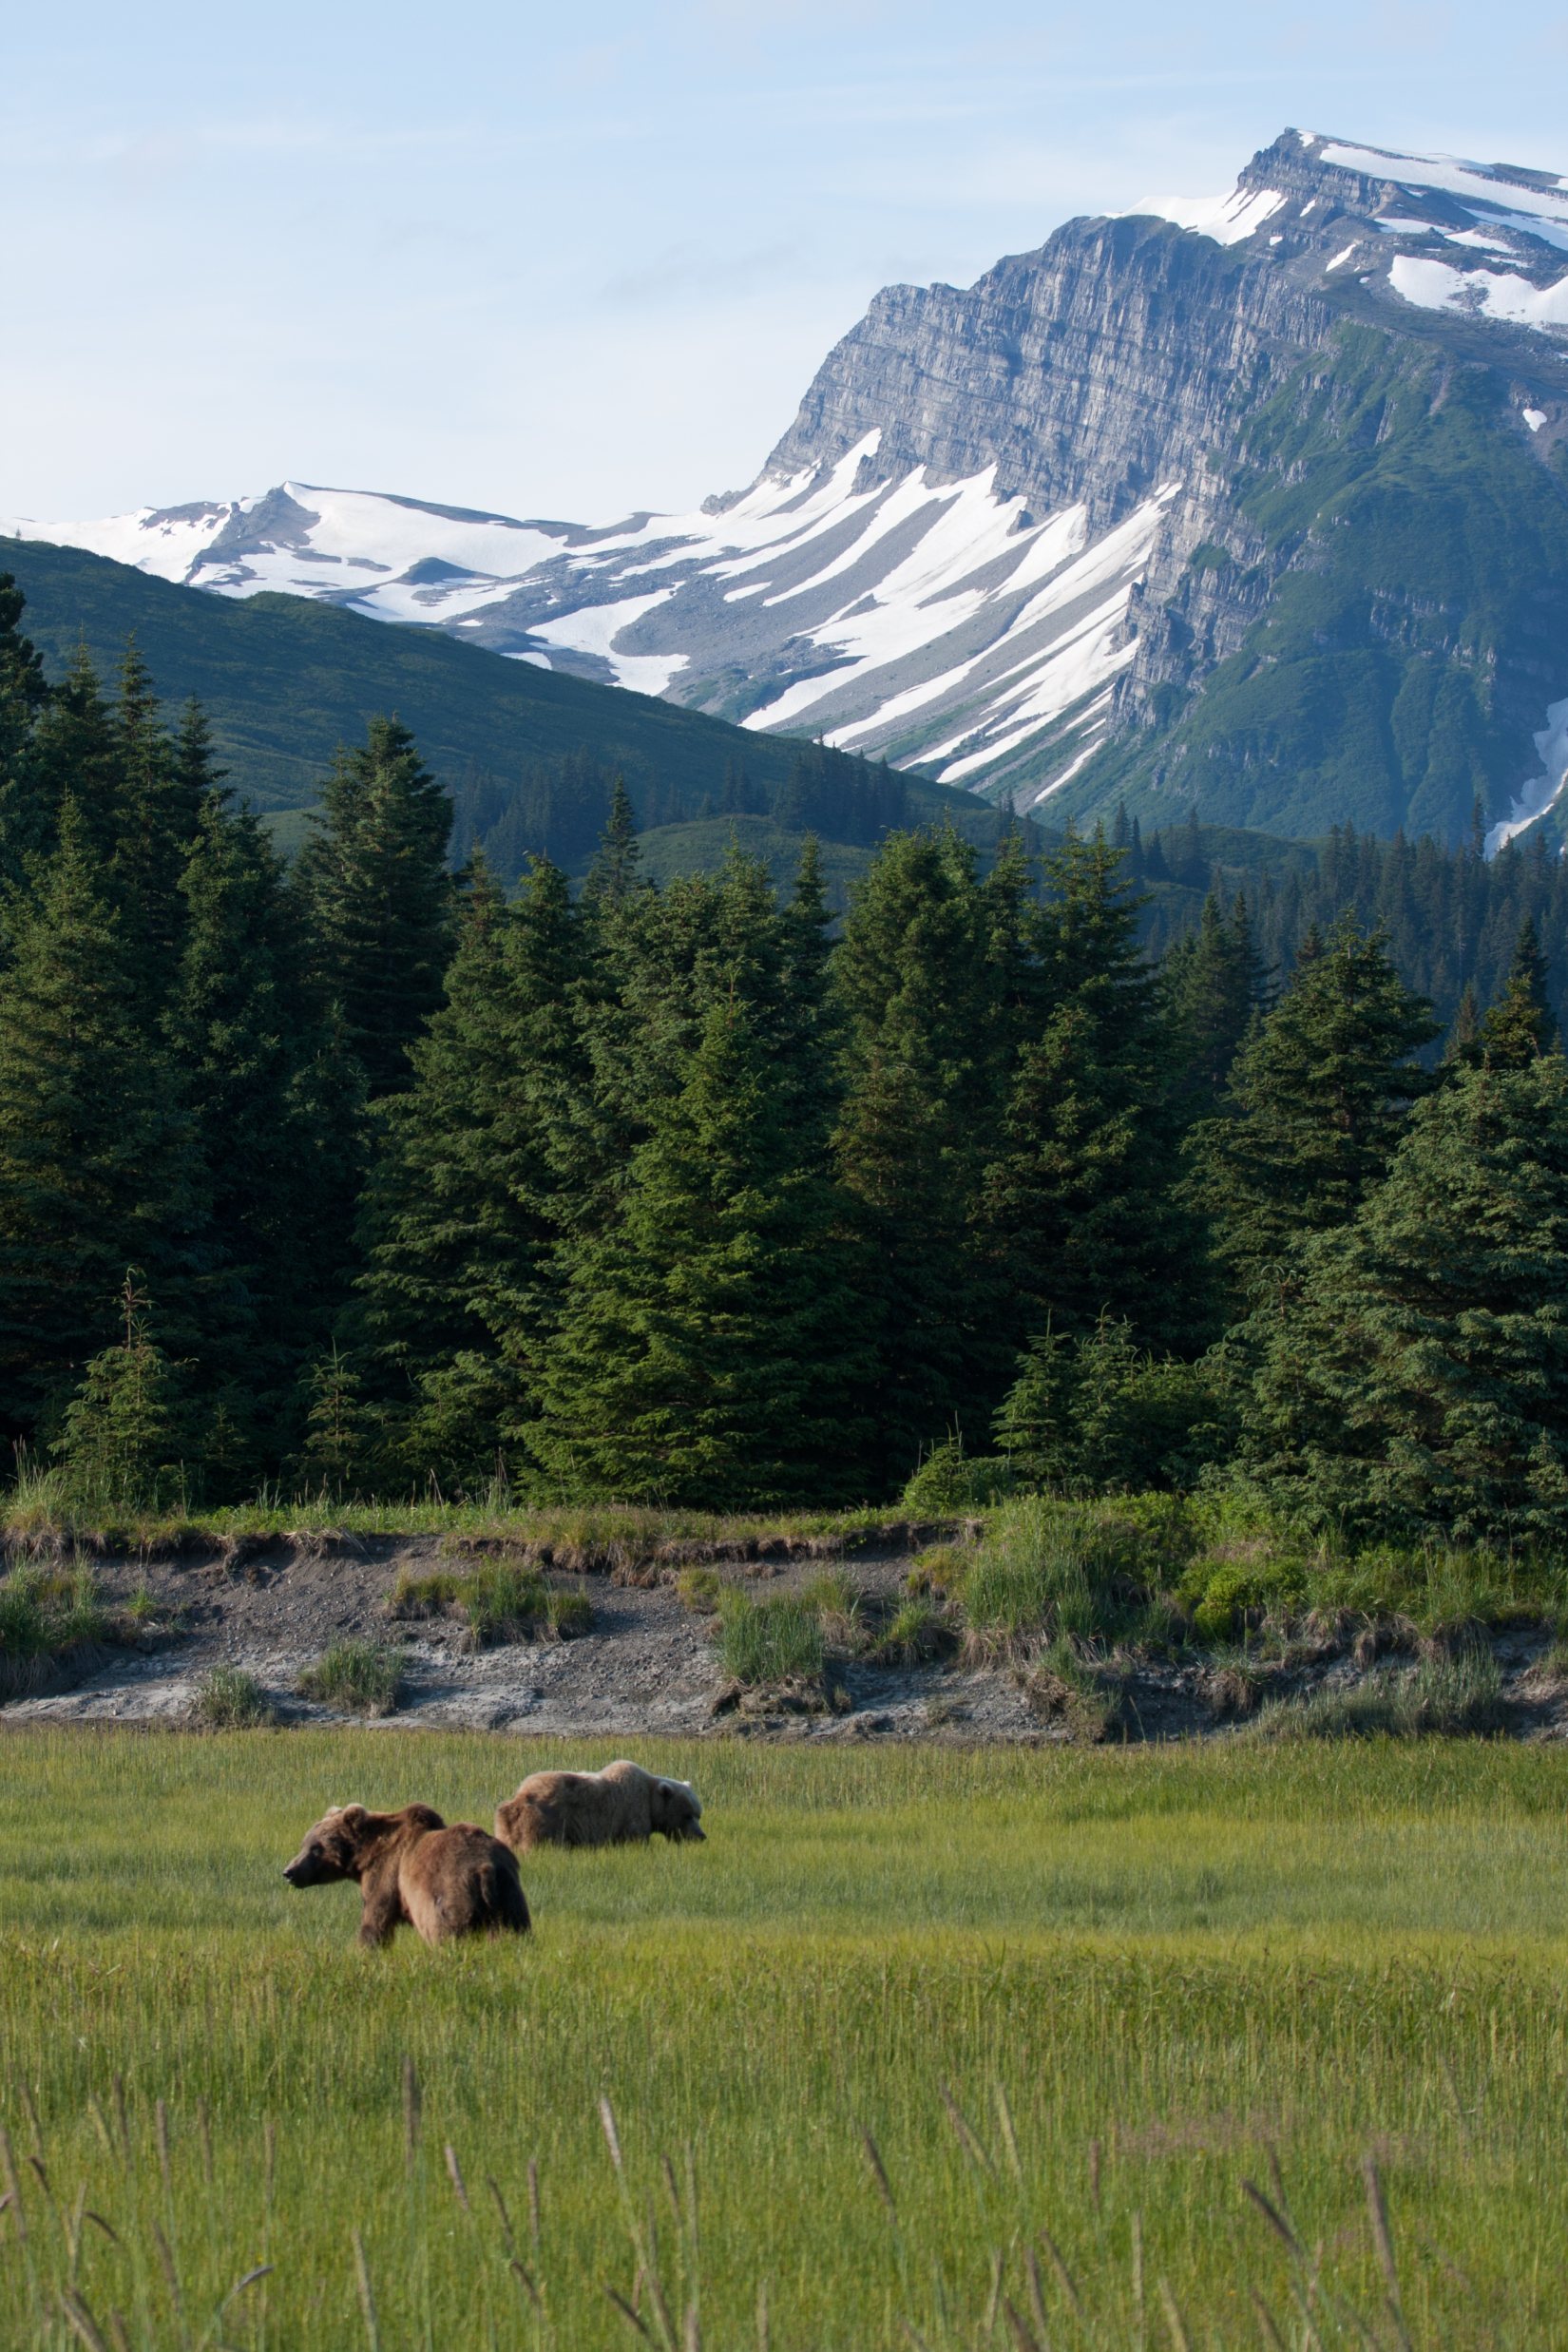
<point x="1408" y="561"/>
<point x="527" y="754"/>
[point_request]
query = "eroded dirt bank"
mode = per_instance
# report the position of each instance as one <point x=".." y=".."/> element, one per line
<point x="647" y="1666"/>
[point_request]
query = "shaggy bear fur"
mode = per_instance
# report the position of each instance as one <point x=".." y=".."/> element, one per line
<point x="410" y="1866"/>
<point x="621" y="1806"/>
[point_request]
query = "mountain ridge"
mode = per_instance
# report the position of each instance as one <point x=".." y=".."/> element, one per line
<point x="528" y="758"/>
<point x="1020" y="535"/>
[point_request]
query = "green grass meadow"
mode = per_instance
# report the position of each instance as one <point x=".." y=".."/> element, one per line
<point x="1076" y="2000"/>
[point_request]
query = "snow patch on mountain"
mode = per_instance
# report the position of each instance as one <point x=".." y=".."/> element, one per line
<point x="1486" y="189"/>
<point x="1546" y="790"/>
<point x="1437" y="286"/>
<point x="1229" y="219"/>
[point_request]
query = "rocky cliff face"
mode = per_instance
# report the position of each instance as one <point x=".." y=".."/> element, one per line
<point x="1260" y="503"/>
<point x="1147" y="355"/>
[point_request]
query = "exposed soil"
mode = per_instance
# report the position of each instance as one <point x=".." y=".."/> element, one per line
<point x="647" y="1667"/>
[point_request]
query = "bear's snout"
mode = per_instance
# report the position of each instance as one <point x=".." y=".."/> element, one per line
<point x="304" y="1870"/>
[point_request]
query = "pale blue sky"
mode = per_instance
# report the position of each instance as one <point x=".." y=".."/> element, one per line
<point x="566" y="261"/>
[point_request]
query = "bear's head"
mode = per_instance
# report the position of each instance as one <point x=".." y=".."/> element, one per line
<point x="676" y="1810"/>
<point x="332" y="1849"/>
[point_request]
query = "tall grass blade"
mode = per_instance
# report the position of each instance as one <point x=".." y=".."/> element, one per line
<point x="367" y="2292"/>
<point x="1064" y="2277"/>
<point x="627" y="2312"/>
<point x="411" y="2105"/>
<point x="879" y="2171"/>
<point x="13" y="2187"/>
<point x="1023" y="2338"/>
<point x="964" y="2133"/>
<point x="81" y="2322"/>
<point x="1276" y="2220"/>
<point x="1267" y="2328"/>
<point x="1377" y="2210"/>
<point x="1175" y="2324"/>
<point x="1009" y="2137"/>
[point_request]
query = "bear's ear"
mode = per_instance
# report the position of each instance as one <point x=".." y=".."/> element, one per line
<point x="352" y="1816"/>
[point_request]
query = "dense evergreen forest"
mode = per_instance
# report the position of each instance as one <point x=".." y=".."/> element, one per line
<point x="362" y="1175"/>
<point x="1450" y="918"/>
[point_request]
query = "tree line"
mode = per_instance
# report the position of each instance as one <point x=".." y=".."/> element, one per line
<point x="559" y="808"/>
<point x="367" y="1174"/>
<point x="1449" y="916"/>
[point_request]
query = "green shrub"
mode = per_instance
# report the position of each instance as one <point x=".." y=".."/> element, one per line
<point x="364" y="1677"/>
<point x="941" y="1570"/>
<point x="917" y="1633"/>
<point x="44" y="1614"/>
<point x="1450" y="1696"/>
<point x="767" y="1641"/>
<point x="503" y="1601"/>
<point x="701" y="1590"/>
<point x="949" y="1480"/>
<point x="1095" y="1414"/>
<point x="835" y="1599"/>
<point x="228" y="1699"/>
<point x="569" y="1615"/>
<point x="1028" y="1578"/>
<point x="500" y="1601"/>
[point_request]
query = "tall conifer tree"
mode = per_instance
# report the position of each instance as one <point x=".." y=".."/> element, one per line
<point x="1319" y="1098"/>
<point x="381" y="901"/>
<point x="464" y="1210"/>
<point x="243" y="1032"/>
<point x="918" y="987"/>
<point x="1078" y="1199"/>
<point x="706" y="1349"/>
<point x="1420" y="1386"/>
<point x="1519" y="1026"/>
<point x="23" y="824"/>
<point x="94" y="1143"/>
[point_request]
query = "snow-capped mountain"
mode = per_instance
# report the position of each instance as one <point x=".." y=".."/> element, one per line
<point x="1015" y="535"/>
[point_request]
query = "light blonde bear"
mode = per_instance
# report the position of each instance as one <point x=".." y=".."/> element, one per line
<point x="621" y="1806"/>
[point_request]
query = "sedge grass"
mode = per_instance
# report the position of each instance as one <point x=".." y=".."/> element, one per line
<point x="362" y="1677"/>
<point x="923" y="2019"/>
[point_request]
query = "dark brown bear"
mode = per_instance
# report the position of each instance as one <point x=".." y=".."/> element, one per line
<point x="410" y="1866"/>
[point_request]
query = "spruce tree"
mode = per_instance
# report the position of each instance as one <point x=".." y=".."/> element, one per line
<point x="240" y="1029"/>
<point x="466" y="1204"/>
<point x="1462" y="1037"/>
<point x="23" y="823"/>
<point x="706" y="1348"/>
<point x="95" y="1169"/>
<point x="1521" y="1026"/>
<point x="614" y="873"/>
<point x="1317" y="1101"/>
<point x="157" y="805"/>
<point x="1077" y="1201"/>
<point x="1213" y="983"/>
<point x="916" y="986"/>
<point x="76" y="754"/>
<point x="122" y="1442"/>
<point x="1420" y="1388"/>
<point x="380" y="900"/>
<point x="1096" y="1414"/>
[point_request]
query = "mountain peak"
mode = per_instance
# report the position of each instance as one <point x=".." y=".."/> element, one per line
<point x="1017" y="525"/>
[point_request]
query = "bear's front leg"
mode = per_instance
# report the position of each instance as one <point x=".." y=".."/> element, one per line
<point x="383" y="1909"/>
